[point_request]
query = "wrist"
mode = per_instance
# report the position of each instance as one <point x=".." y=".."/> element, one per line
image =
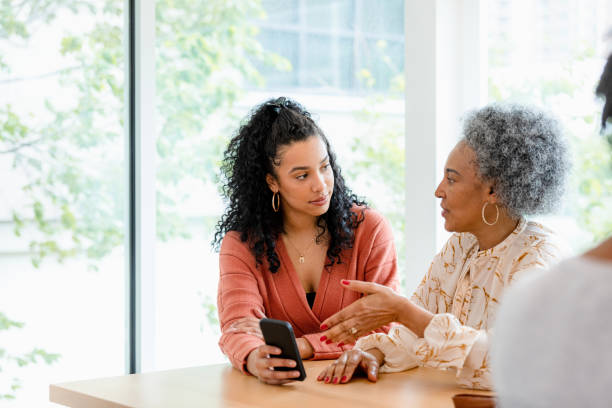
<point x="305" y="348"/>
<point x="414" y="317"/>
<point x="402" y="307"/>
<point x="378" y="355"/>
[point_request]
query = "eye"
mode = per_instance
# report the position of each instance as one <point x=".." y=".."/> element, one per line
<point x="450" y="180"/>
<point x="301" y="176"/>
<point x="326" y="166"/>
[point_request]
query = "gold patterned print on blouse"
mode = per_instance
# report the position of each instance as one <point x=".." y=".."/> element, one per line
<point x="463" y="288"/>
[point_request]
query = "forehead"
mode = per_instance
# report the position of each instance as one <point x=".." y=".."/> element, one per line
<point x="462" y="159"/>
<point x="303" y="153"/>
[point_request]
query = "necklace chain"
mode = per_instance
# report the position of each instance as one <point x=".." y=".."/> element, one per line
<point x="301" y="259"/>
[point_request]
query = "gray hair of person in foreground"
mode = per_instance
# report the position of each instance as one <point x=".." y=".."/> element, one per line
<point x="523" y="151"/>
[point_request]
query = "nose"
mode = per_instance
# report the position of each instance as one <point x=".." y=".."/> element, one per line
<point x="318" y="183"/>
<point x="439" y="193"/>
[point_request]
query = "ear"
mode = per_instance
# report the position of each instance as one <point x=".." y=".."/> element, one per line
<point x="492" y="195"/>
<point x="272" y="183"/>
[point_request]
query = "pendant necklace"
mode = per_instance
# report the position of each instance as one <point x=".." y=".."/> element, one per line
<point x="302" y="254"/>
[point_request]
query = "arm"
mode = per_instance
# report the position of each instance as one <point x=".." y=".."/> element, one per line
<point x="376" y="311"/>
<point x="238" y="296"/>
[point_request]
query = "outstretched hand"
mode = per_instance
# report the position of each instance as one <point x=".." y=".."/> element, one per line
<point x="381" y="306"/>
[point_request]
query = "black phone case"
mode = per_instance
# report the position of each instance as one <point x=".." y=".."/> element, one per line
<point x="279" y="333"/>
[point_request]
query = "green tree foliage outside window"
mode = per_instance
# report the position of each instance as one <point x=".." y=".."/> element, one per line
<point x="567" y="90"/>
<point x="74" y="194"/>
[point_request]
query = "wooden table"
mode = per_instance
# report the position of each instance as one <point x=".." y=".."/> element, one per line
<point x="223" y="386"/>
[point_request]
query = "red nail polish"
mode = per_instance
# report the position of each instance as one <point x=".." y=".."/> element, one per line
<point x="323" y="338"/>
<point x="323" y="327"/>
<point x="328" y="342"/>
<point x="326" y="379"/>
<point x="343" y="378"/>
<point x="340" y="344"/>
<point x="335" y="380"/>
<point x="345" y="282"/>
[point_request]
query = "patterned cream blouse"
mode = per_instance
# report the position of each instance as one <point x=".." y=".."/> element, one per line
<point x="462" y="288"/>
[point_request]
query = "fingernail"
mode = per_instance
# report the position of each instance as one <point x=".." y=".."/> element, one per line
<point x="323" y="338"/>
<point x="340" y="344"/>
<point x="343" y="378"/>
<point x="335" y="380"/>
<point x="328" y="342"/>
<point x="292" y="364"/>
<point x="345" y="282"/>
<point x="326" y="379"/>
<point x="323" y="327"/>
<point x="319" y="378"/>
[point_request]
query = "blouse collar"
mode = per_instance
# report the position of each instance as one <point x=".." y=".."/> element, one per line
<point x="507" y="242"/>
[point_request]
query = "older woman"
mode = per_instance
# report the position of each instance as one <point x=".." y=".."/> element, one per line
<point x="512" y="161"/>
<point x="552" y="347"/>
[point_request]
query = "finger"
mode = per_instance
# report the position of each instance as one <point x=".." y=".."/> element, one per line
<point x="265" y="349"/>
<point x="270" y="363"/>
<point x="368" y="288"/>
<point x="370" y="366"/>
<point x="244" y="325"/>
<point x="339" y="317"/>
<point x="251" y="332"/>
<point x="345" y="332"/>
<point x="326" y="375"/>
<point x="279" y="377"/>
<point x="352" y="363"/>
<point x="259" y="314"/>
<point x="339" y="369"/>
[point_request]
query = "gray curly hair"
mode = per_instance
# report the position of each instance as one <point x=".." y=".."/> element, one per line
<point x="522" y="150"/>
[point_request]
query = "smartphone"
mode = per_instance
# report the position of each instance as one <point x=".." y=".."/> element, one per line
<point x="279" y="333"/>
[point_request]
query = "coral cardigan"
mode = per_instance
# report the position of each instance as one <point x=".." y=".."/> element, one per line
<point x="245" y="287"/>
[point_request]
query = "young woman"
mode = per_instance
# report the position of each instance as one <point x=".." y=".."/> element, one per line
<point x="291" y="232"/>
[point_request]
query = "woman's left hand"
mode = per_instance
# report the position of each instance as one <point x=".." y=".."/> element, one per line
<point x="248" y="325"/>
<point x="342" y="370"/>
<point x="381" y="306"/>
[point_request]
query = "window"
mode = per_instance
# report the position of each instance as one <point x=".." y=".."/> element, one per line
<point x="62" y="228"/>
<point x="551" y="53"/>
<point x="216" y="61"/>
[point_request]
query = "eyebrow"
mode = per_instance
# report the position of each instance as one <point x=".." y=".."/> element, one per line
<point x="452" y="171"/>
<point x="306" y="167"/>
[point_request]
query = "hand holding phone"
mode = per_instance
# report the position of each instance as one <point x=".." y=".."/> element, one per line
<point x="268" y="362"/>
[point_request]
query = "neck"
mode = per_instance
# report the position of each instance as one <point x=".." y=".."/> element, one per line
<point x="490" y="235"/>
<point x="297" y="224"/>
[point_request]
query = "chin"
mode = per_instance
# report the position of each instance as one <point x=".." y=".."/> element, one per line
<point x="449" y="226"/>
<point x="320" y="211"/>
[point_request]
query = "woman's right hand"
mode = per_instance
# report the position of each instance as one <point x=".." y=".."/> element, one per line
<point x="342" y="370"/>
<point x="261" y="365"/>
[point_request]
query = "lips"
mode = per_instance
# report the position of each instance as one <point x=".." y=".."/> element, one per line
<point x="320" y="201"/>
<point x="444" y="212"/>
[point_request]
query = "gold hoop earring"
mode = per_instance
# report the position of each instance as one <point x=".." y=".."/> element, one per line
<point x="276" y="201"/>
<point x="496" y="215"/>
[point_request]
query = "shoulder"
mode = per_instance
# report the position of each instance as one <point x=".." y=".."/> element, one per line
<point x="232" y="244"/>
<point x="545" y="318"/>
<point x="541" y="240"/>
<point x="534" y="233"/>
<point x="372" y="220"/>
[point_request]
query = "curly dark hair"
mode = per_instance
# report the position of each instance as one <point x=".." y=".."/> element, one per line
<point x="250" y="156"/>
